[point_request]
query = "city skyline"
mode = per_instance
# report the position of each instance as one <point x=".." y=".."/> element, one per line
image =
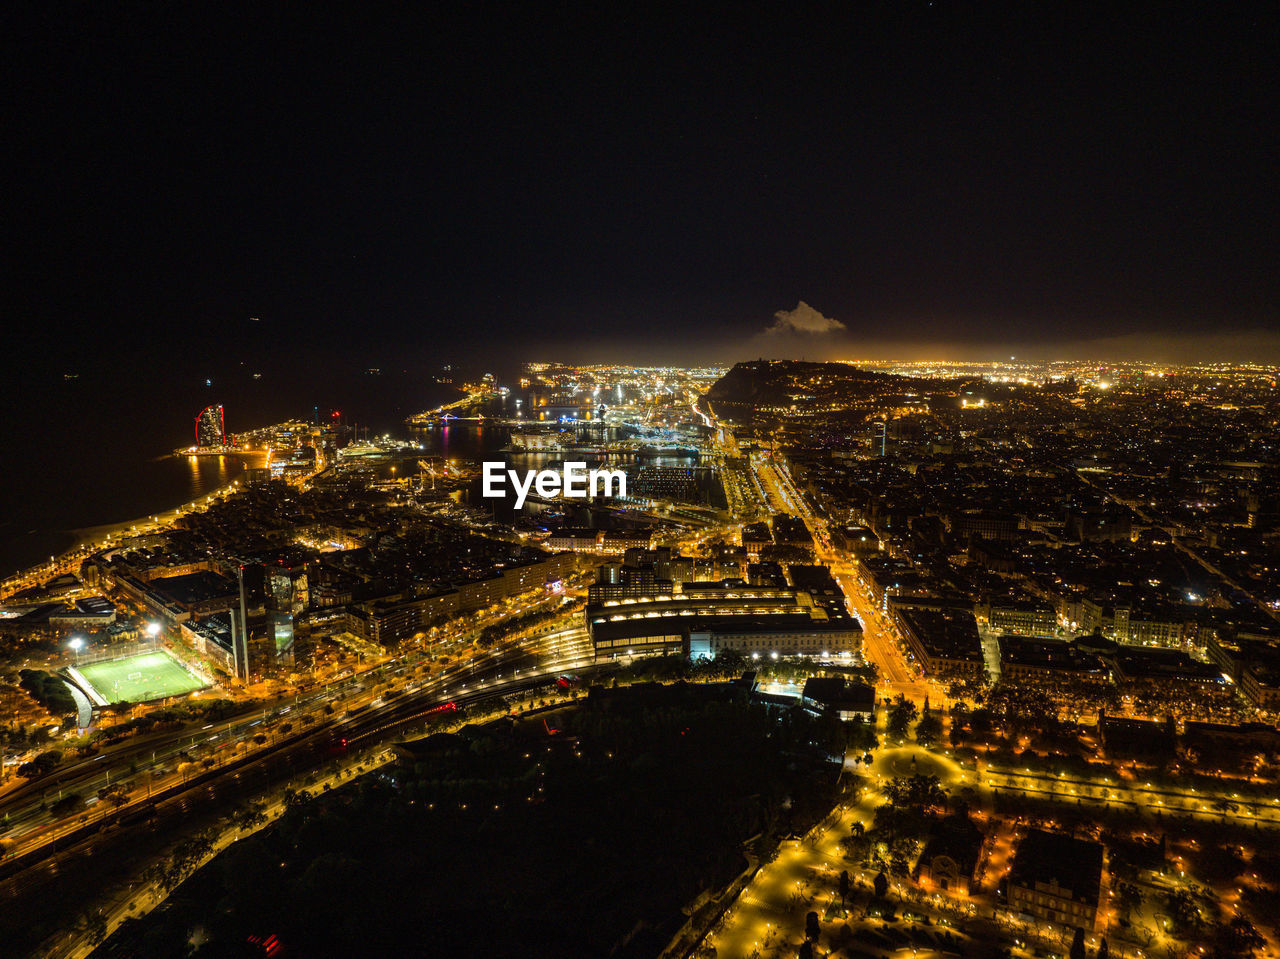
<point x="975" y="630"/>
<point x="734" y="482"/>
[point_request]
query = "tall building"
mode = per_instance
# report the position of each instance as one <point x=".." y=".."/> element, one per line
<point x="252" y="630"/>
<point x="270" y="631"/>
<point x="288" y="599"/>
<point x="211" y="427"/>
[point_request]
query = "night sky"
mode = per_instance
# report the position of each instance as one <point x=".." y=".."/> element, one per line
<point x="519" y="180"/>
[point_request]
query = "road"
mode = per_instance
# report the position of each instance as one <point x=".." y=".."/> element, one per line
<point x="142" y="899"/>
<point x="1211" y="805"/>
<point x="155" y="761"/>
<point x="770" y="913"/>
<point x="294" y="761"/>
<point x="879" y="647"/>
<point x="160" y="762"/>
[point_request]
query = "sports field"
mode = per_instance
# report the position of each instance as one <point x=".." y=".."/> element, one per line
<point x="140" y="678"/>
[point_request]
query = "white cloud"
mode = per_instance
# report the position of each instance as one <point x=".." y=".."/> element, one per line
<point x="803" y="319"/>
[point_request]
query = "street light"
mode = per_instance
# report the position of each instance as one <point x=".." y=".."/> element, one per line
<point x="77" y="643"/>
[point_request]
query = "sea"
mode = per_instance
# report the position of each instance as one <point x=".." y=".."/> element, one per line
<point x="92" y="449"/>
<point x="89" y="450"/>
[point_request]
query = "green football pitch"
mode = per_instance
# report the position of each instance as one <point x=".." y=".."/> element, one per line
<point x="139" y="679"/>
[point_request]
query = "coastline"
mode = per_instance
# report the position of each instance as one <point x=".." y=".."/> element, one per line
<point x="88" y="535"/>
<point x="87" y="539"/>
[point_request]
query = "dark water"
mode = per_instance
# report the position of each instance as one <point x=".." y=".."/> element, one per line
<point x="480" y="441"/>
<point x="93" y="450"/>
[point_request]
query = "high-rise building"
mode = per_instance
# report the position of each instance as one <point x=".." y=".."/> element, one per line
<point x="288" y="599"/>
<point x="271" y="630"/>
<point x="252" y="629"/>
<point x="211" y="427"/>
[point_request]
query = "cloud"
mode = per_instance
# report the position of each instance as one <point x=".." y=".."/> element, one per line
<point x="803" y="319"/>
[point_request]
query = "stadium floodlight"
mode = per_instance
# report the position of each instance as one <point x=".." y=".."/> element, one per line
<point x="153" y="630"/>
<point x="76" y="644"/>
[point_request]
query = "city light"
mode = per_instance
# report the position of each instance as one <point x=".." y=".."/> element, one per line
<point x="966" y="641"/>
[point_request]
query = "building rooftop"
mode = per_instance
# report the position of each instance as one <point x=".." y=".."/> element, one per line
<point x="192" y="588"/>
<point x="944" y="633"/>
<point x="1048" y="654"/>
<point x="838" y="693"/>
<point x="1074" y="864"/>
<point x="957" y="838"/>
<point x="1142" y="662"/>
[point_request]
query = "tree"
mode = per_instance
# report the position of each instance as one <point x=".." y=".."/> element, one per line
<point x="68" y="804"/>
<point x="1077" y="945"/>
<point x="729" y="663"/>
<point x="861" y="735"/>
<point x="1236" y="938"/>
<point x="902" y="714"/>
<point x="844" y="886"/>
<point x="1184" y="912"/>
<point x="856" y="847"/>
<point x="811" y="929"/>
<point x="929" y="730"/>
<point x="1219" y="864"/>
<point x="1022" y="708"/>
<point x="806" y="950"/>
<point x="96" y="931"/>
<point x="1224" y="806"/>
<point x="294" y="798"/>
<point x="249" y="817"/>
<point x="1130" y="897"/>
<point x="1104" y="951"/>
<point x="115" y="794"/>
<point x="918" y="792"/>
<point x="880" y="884"/>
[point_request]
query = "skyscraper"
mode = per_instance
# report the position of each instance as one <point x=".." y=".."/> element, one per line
<point x="270" y="631"/>
<point x="252" y="634"/>
<point x="288" y="598"/>
<point x="211" y="428"/>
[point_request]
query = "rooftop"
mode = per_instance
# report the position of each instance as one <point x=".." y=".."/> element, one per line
<point x="1074" y="864"/>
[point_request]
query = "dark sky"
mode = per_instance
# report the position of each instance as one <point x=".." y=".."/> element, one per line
<point x="512" y="178"/>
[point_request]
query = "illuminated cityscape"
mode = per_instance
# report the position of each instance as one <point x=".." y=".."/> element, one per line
<point x="614" y="485"/>
<point x="1020" y="620"/>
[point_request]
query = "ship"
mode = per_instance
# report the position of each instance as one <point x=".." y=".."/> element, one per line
<point x="668" y="449"/>
<point x="562" y="441"/>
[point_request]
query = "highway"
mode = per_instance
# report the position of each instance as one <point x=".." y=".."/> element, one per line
<point x="140" y="898"/>
<point x="405" y="707"/>
<point x="168" y="759"/>
<point x="158" y="753"/>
